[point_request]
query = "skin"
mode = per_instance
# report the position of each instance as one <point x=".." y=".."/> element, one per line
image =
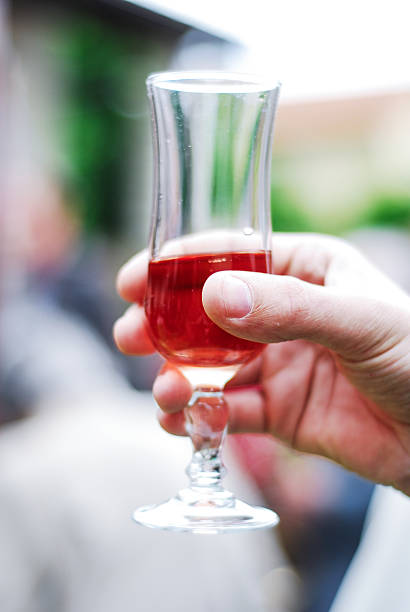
<point x="334" y="379"/>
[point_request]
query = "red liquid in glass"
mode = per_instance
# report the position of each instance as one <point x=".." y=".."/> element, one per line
<point x="179" y="327"/>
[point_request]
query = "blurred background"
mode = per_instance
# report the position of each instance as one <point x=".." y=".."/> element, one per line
<point x="75" y="185"/>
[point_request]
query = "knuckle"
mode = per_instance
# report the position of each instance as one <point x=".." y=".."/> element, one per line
<point x="294" y="303"/>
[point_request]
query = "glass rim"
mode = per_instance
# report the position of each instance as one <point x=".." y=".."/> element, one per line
<point x="211" y="81"/>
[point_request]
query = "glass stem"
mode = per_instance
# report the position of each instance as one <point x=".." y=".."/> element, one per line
<point x="206" y="423"/>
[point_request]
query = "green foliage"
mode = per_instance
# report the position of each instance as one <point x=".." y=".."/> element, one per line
<point x="388" y="210"/>
<point x="94" y="61"/>
<point x="287" y="215"/>
<point x="103" y="71"/>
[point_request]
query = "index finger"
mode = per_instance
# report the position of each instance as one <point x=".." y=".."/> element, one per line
<point x="132" y="278"/>
<point x="306" y="256"/>
<point x="310" y="257"/>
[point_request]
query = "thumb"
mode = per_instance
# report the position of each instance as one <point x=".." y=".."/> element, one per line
<point x="272" y="308"/>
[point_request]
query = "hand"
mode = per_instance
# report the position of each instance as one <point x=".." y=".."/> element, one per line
<point x="335" y="377"/>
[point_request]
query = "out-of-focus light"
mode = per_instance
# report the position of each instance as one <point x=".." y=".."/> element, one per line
<point x="316" y="48"/>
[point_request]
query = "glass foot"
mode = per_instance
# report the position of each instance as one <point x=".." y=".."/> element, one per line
<point x="205" y="517"/>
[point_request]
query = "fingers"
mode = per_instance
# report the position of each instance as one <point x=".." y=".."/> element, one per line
<point x="306" y="256"/>
<point x="249" y="374"/>
<point x="173" y="423"/>
<point x="246" y="410"/>
<point x="271" y="308"/>
<point x="171" y="390"/>
<point x="310" y="257"/>
<point x="333" y="262"/>
<point x="131" y="332"/>
<point x="246" y="413"/>
<point x="132" y="278"/>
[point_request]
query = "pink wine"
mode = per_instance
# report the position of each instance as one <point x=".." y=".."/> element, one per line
<point x="180" y="329"/>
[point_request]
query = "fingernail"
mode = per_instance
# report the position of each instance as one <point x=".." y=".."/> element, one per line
<point x="236" y="296"/>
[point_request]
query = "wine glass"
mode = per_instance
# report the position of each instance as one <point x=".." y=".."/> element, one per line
<point x="212" y="136"/>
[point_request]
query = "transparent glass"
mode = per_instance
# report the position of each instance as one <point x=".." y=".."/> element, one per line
<point x="212" y="136"/>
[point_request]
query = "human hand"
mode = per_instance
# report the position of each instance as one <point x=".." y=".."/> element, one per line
<point x="335" y="377"/>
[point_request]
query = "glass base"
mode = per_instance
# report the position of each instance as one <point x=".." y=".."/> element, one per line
<point x="205" y="517"/>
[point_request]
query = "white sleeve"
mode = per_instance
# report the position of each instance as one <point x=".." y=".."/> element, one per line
<point x="378" y="577"/>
